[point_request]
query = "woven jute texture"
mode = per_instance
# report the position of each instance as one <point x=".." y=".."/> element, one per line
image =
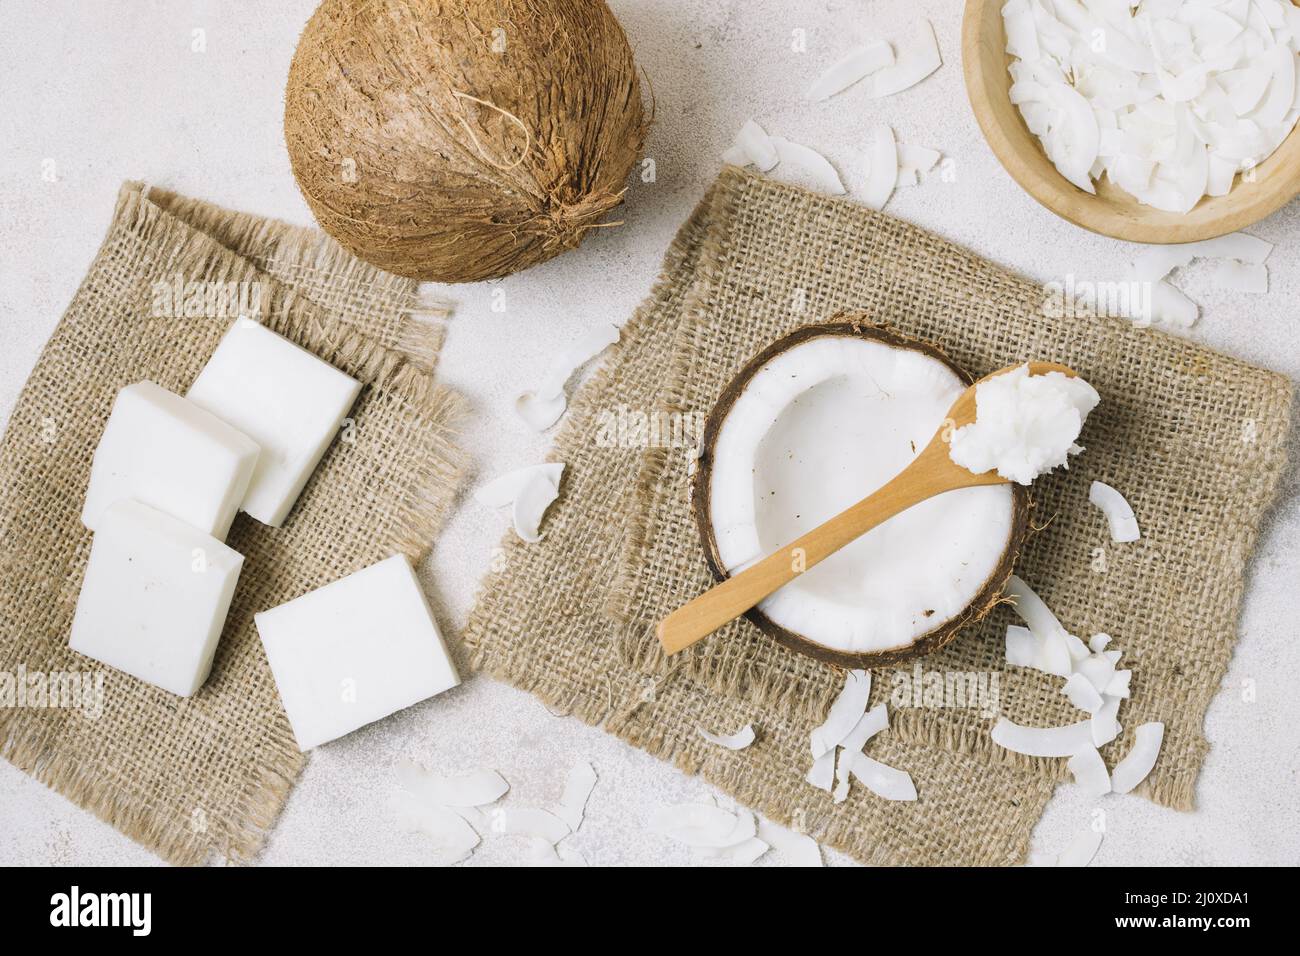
<point x="1194" y="439"/>
<point x="540" y="623"/>
<point x="197" y="778"/>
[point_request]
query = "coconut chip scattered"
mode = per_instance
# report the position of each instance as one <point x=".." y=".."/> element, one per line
<point x="474" y="789"/>
<point x="456" y="813"/>
<point x="442" y="808"/>
<point x="858" y="62"/>
<point x="1139" y="761"/>
<point x="732" y="835"/>
<point x="1118" y="512"/>
<point x="916" y="57"/>
<point x="798" y="849"/>
<point x="543" y="407"/>
<point x="741" y="739"/>
<point x="1096" y="686"/>
<point x="848" y="727"/>
<point x="1240" y="268"/>
<point x="453" y="838"/>
<point x="577" y="789"/>
<point x="1079" y="853"/>
<point x="528" y="492"/>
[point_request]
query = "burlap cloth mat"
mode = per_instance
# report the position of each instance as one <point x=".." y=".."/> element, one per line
<point x="206" y="776"/>
<point x="540" y="623"/>
<point x="1194" y="439"/>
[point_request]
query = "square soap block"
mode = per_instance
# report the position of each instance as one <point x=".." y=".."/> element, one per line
<point x="284" y="398"/>
<point x="354" y="651"/>
<point x="155" y="597"/>
<point x="166" y="452"/>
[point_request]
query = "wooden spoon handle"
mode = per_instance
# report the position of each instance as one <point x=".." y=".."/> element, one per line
<point x="736" y="595"/>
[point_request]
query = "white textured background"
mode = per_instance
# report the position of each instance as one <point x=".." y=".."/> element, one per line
<point x="109" y="91"/>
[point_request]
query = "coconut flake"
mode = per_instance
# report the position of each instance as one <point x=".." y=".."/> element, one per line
<point x="1097" y="643"/>
<point x="849" y="706"/>
<point x="873" y="722"/>
<point x="1241" y="277"/>
<point x="1090" y="771"/>
<point x="1170" y="307"/>
<point x="1156" y="262"/>
<point x="1119" y="515"/>
<point x="858" y="62"/>
<point x="578" y="785"/>
<point x="530" y="822"/>
<point x="883" y="175"/>
<point x="1137" y="763"/>
<point x="842" y="776"/>
<point x="542" y="408"/>
<point x="757" y="148"/>
<point x="702" y="825"/>
<point x="1104" y="726"/>
<point x="735" y="156"/>
<point x="798" y="849"/>
<point x="1118" y="685"/>
<point x="743" y="853"/>
<point x="822" y="773"/>
<point x="544" y="853"/>
<point x="1042" y="741"/>
<point x="1081" y="849"/>
<point x="502" y="491"/>
<point x="1097" y="669"/>
<point x="882" y="780"/>
<point x="917" y="57"/>
<point x="1022" y="646"/>
<point x="474" y="789"/>
<point x="917" y="159"/>
<point x="807" y="167"/>
<point x="1032" y="609"/>
<point x="741" y="739"/>
<point x="530" y="506"/>
<point x="453" y="838"/>
<point x="1082" y="694"/>
<point x="1053" y="651"/>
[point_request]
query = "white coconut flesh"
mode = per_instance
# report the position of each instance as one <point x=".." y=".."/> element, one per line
<point x="820" y="426"/>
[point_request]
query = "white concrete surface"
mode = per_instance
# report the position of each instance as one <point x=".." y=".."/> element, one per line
<point x="99" y="92"/>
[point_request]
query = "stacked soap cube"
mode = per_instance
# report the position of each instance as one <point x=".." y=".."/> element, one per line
<point x="168" y="477"/>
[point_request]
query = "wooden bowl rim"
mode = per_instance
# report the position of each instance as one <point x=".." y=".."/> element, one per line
<point x="1276" y="184"/>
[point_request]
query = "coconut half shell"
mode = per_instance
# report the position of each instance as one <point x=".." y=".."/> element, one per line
<point x="823" y="367"/>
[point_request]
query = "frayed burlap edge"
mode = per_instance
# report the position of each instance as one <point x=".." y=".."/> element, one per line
<point x="292" y="253"/>
<point x="375" y="364"/>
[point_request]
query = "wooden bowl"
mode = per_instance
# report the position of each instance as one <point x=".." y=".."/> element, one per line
<point x="1112" y="212"/>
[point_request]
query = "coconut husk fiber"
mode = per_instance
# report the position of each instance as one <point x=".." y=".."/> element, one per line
<point x="462" y="140"/>
<point x="1194" y="439"/>
<point x="202" y="777"/>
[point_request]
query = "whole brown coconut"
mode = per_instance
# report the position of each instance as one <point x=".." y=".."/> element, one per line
<point x="458" y="140"/>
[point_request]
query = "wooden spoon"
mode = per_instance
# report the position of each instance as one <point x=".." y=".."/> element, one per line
<point x="931" y="473"/>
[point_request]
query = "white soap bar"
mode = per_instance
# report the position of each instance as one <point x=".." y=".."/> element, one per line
<point x="167" y="452"/>
<point x="155" y="597"/>
<point x="286" y="399"/>
<point x="354" y="651"/>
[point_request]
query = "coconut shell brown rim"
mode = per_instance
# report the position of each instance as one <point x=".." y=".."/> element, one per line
<point x="847" y="324"/>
